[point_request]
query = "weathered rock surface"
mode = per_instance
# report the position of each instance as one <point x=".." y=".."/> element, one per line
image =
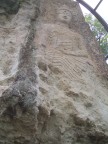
<point x="50" y="91"/>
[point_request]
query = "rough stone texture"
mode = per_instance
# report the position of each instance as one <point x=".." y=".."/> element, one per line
<point x="49" y="86"/>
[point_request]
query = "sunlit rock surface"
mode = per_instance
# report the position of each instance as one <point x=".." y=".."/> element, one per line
<point x="50" y="89"/>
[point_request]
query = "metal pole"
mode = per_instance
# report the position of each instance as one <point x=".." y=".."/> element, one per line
<point x="98" y="5"/>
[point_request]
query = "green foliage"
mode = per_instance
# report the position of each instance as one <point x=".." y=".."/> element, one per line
<point x="99" y="32"/>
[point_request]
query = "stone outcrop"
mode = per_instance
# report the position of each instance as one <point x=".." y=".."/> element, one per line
<point x="50" y="90"/>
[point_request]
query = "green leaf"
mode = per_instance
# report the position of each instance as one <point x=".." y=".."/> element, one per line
<point x="99" y="32"/>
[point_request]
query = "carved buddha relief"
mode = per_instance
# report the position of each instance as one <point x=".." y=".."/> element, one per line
<point x="62" y="47"/>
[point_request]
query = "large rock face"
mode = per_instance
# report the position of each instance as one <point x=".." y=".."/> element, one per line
<point x="50" y="89"/>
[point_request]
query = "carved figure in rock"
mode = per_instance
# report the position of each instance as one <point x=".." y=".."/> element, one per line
<point x="61" y="47"/>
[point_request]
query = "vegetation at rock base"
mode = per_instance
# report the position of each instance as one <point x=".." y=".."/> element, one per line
<point x="99" y="32"/>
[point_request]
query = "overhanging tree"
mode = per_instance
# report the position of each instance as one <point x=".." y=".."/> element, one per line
<point x="99" y="32"/>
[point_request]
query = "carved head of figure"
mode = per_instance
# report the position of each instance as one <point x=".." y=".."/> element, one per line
<point x="64" y="14"/>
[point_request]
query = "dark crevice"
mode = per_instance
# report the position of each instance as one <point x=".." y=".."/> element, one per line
<point x="10" y="6"/>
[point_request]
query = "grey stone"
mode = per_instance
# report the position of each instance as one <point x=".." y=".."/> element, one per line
<point x="50" y="92"/>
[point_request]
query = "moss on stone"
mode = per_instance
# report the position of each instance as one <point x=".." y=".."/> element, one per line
<point x="10" y="6"/>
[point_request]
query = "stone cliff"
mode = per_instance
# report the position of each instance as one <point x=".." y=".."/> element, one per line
<point x="53" y="81"/>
